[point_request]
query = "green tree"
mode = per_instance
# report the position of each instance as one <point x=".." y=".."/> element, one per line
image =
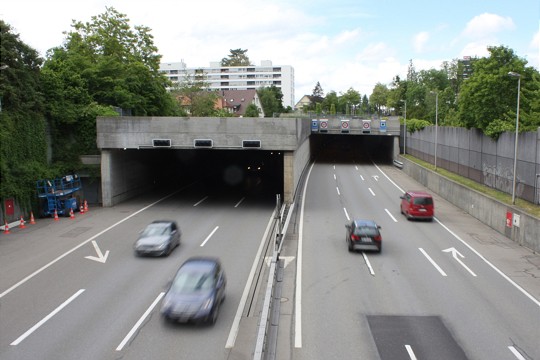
<point x="23" y="150"/>
<point x="350" y="101"/>
<point x="378" y="97"/>
<point x="318" y="90"/>
<point x="237" y="57"/>
<point x="271" y="99"/>
<point x="488" y="98"/>
<point x="103" y="65"/>
<point x="251" y="111"/>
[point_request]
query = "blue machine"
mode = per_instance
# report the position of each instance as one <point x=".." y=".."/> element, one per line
<point x="61" y="194"/>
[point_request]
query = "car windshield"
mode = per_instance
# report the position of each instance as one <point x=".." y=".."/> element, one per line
<point x="155" y="230"/>
<point x="192" y="281"/>
<point x="365" y="231"/>
<point x="423" y="201"/>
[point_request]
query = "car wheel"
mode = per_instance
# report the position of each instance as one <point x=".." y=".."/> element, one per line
<point x="401" y="210"/>
<point x="349" y="246"/>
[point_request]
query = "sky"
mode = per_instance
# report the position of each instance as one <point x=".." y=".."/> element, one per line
<point x="341" y="44"/>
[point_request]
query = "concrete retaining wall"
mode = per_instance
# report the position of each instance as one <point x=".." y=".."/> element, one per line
<point x="523" y="228"/>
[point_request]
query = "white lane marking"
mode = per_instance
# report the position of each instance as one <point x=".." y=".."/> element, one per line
<point x="337" y="190"/>
<point x="389" y="214"/>
<point x="346" y="214"/>
<point x="432" y="262"/>
<point x="100" y="257"/>
<point x="209" y="236"/>
<point x="243" y="300"/>
<point x="371" y="191"/>
<point x="368" y="263"/>
<point x="356" y="167"/>
<point x="388" y="178"/>
<point x="46" y="318"/>
<point x="200" y="201"/>
<point x="516" y="353"/>
<point x="83" y="243"/>
<point x="334" y="167"/>
<point x="455" y="254"/>
<point x="238" y="203"/>
<point x="298" y="289"/>
<point x="523" y="291"/>
<point x="335" y="178"/>
<point x="139" y="322"/>
<point x="410" y="352"/>
<point x="361" y="177"/>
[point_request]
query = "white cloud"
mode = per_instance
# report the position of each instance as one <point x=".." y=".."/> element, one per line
<point x="487" y="24"/>
<point x="420" y="41"/>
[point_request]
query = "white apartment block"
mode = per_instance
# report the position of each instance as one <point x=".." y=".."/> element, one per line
<point x="237" y="77"/>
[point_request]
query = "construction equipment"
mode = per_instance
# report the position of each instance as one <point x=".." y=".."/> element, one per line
<point x="61" y="195"/>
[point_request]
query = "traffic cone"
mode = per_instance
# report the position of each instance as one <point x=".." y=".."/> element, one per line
<point x="85" y="206"/>
<point x="55" y="215"/>
<point x="32" y="220"/>
<point x="6" y="228"/>
<point x="71" y="214"/>
<point x="21" y="223"/>
<point x="81" y="210"/>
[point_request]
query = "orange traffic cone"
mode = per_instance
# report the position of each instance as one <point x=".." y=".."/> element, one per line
<point x="32" y="220"/>
<point x="71" y="214"/>
<point x="81" y="210"/>
<point x="85" y="206"/>
<point x="21" y="223"/>
<point x="55" y="215"/>
<point x="6" y="228"/>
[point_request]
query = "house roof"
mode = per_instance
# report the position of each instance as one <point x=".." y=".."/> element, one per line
<point x="238" y="100"/>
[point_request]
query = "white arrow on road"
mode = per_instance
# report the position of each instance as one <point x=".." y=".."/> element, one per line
<point x="100" y="257"/>
<point x="455" y="254"/>
<point x="376" y="177"/>
<point x="287" y="260"/>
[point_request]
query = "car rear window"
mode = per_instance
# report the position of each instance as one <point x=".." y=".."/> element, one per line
<point x="366" y="231"/>
<point x="423" y="201"/>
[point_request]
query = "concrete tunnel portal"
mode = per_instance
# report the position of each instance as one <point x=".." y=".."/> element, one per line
<point x="254" y="173"/>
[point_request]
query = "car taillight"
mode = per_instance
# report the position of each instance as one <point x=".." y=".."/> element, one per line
<point x="355" y="237"/>
<point x="378" y="238"/>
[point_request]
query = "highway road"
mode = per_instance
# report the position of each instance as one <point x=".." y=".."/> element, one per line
<point x="73" y="289"/>
<point x="428" y="295"/>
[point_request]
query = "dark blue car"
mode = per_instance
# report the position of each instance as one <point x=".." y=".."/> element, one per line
<point x="196" y="292"/>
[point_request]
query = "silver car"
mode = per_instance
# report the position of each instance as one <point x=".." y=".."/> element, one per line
<point x="159" y="238"/>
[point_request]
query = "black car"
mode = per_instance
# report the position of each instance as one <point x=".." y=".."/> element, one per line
<point x="159" y="238"/>
<point x="363" y="235"/>
<point x="196" y="292"/>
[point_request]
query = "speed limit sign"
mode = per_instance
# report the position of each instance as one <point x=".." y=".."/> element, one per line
<point x="344" y="126"/>
<point x="323" y="125"/>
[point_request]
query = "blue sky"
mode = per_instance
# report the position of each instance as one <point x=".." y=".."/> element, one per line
<point x="342" y="43"/>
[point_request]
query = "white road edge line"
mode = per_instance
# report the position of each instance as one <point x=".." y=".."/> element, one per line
<point x="82" y="244"/>
<point x="236" y="322"/>
<point x="368" y="263"/>
<point x="46" y="318"/>
<point x="138" y="323"/>
<point x="523" y="291"/>
<point x="410" y="352"/>
<point x="516" y="353"/>
<point x="298" y="289"/>
<point x="209" y="236"/>
<point x="346" y="214"/>
<point x="432" y="262"/>
<point x="200" y="201"/>
<point x="389" y="214"/>
<point x="238" y="203"/>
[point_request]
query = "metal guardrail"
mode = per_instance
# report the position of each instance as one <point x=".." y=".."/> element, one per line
<point x="261" y="345"/>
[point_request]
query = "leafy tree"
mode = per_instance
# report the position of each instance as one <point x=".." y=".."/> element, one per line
<point x="317" y="90"/>
<point x="349" y="100"/>
<point x="103" y="65"/>
<point x="237" y="57"/>
<point x="252" y="111"/>
<point x="379" y="96"/>
<point x="488" y="98"/>
<point x="23" y="150"/>
<point x="271" y="100"/>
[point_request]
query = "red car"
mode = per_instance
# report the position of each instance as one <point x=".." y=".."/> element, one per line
<point x="417" y="205"/>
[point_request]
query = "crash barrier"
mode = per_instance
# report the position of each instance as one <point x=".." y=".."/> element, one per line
<point x="265" y="346"/>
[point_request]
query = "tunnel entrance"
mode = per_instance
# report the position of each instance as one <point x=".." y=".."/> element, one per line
<point x="339" y="148"/>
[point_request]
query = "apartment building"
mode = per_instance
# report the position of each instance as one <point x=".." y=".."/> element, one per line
<point x="237" y="77"/>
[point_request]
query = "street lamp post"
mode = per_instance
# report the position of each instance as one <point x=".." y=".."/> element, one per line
<point x="436" y="122"/>
<point x="405" y="133"/>
<point x="514" y="74"/>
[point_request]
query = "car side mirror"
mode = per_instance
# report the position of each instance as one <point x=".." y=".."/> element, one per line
<point x="402" y="197"/>
<point x="347" y="226"/>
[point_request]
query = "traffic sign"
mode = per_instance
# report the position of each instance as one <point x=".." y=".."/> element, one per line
<point x="323" y="125"/>
<point x="382" y="127"/>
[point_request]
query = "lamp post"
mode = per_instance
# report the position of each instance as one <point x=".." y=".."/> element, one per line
<point x="514" y="74"/>
<point x="436" y="122"/>
<point x="405" y="133"/>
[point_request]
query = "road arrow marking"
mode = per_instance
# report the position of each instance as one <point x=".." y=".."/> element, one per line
<point x="455" y="254"/>
<point x="376" y="177"/>
<point x="100" y="257"/>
